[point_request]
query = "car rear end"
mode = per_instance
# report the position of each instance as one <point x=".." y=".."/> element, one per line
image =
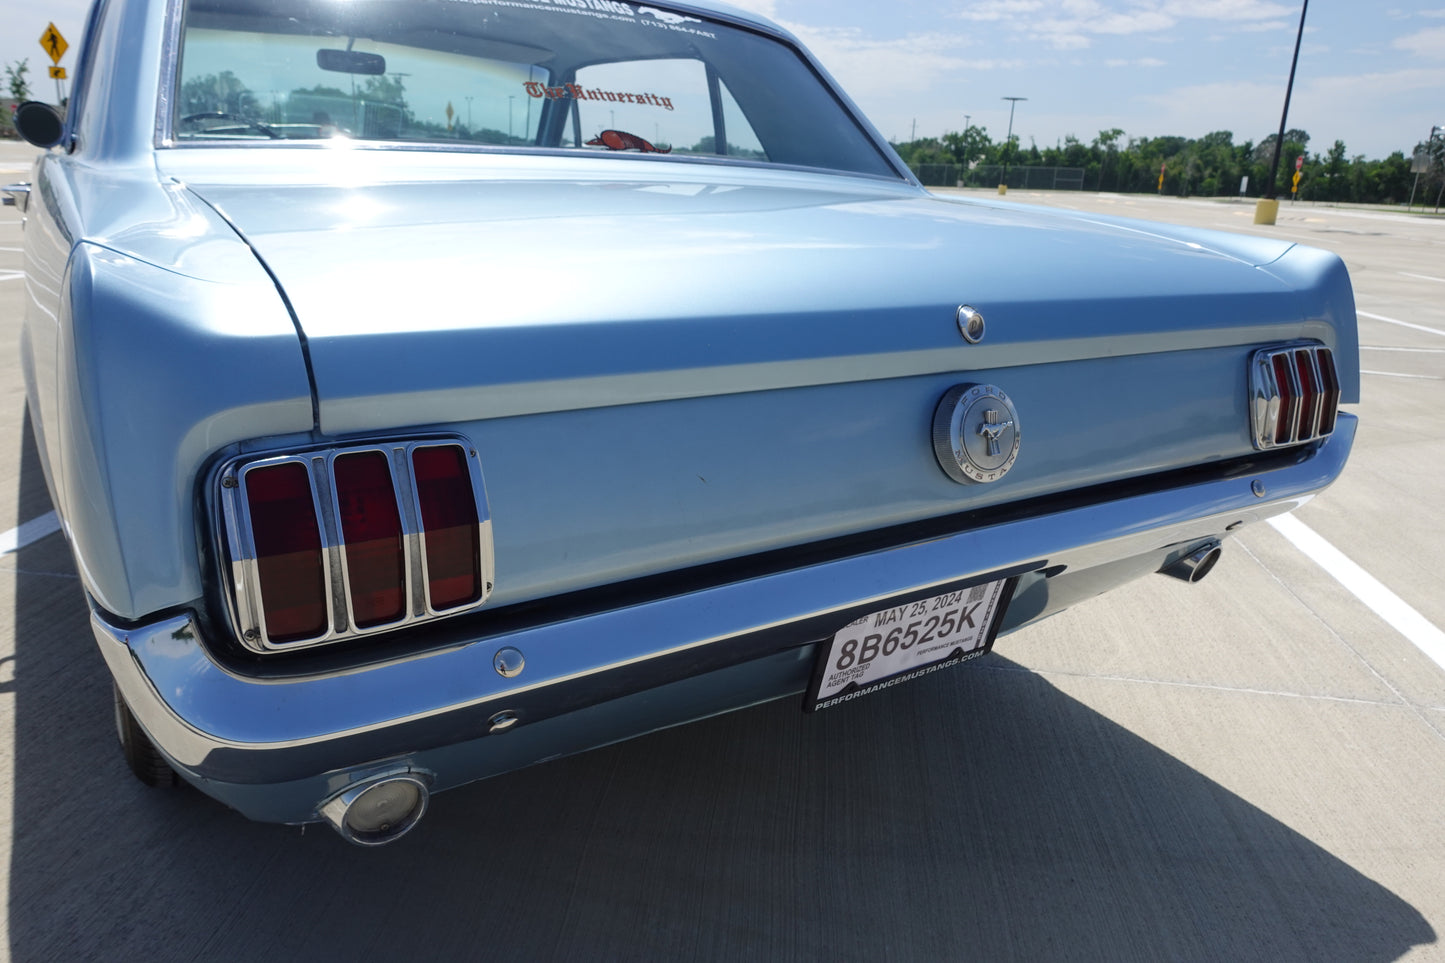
<point x="606" y="442"/>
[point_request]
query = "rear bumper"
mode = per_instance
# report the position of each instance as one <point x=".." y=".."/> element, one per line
<point x="276" y="748"/>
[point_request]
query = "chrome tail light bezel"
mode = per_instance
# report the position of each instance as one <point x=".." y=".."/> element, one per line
<point x="239" y="555"/>
<point x="1298" y="413"/>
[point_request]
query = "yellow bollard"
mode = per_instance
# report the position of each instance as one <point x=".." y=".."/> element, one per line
<point x="1003" y="188"/>
<point x="1266" y="209"/>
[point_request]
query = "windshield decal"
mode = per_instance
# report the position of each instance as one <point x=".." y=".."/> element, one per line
<point x="665" y="17"/>
<point x="622" y="140"/>
<point x="577" y="92"/>
<point x="607" y="10"/>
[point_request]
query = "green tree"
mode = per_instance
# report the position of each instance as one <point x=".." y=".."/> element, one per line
<point x="222" y="93"/>
<point x="1336" y="185"/>
<point x="1432" y="179"/>
<point x="321" y="90"/>
<point x="1390" y="179"/>
<point x="15" y="80"/>
<point x="385" y="89"/>
<point x="1106" y="148"/>
<point x="966" y="147"/>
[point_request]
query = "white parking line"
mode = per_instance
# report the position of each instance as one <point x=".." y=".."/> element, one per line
<point x="1365" y="587"/>
<point x="32" y="531"/>
<point x="1398" y="374"/>
<point x="1403" y="324"/>
<point x="1423" y="277"/>
<point x="11" y="275"/>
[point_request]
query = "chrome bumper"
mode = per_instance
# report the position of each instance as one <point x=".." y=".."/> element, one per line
<point x="225" y="729"/>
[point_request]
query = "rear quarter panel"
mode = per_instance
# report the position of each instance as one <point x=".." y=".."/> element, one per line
<point x="161" y="341"/>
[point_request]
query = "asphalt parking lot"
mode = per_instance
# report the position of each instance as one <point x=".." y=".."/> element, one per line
<point x="1248" y="768"/>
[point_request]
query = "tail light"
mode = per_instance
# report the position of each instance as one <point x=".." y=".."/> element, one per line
<point x="449" y="527"/>
<point x="290" y="567"/>
<point x="332" y="544"/>
<point x="1294" y="395"/>
<point x="373" y="554"/>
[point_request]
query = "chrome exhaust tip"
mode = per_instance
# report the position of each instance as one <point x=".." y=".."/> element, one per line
<point x="379" y="810"/>
<point x="1197" y="564"/>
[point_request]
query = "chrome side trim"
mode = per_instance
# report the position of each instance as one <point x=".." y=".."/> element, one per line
<point x="244" y="586"/>
<point x="193" y="706"/>
<point x="16" y="195"/>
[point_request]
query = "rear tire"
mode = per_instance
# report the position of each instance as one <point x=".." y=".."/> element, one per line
<point x="144" y="759"/>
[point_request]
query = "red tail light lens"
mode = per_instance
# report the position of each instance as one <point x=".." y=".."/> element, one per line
<point x="372" y="536"/>
<point x="1288" y="402"/>
<point x="449" y="520"/>
<point x="1304" y="363"/>
<point x="1330" y="388"/>
<point x="288" y="551"/>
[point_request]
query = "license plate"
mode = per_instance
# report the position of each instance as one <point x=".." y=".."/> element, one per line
<point x="896" y="644"/>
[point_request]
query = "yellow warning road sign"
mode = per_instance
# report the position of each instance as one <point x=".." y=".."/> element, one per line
<point x="53" y="43"/>
<point x="57" y="73"/>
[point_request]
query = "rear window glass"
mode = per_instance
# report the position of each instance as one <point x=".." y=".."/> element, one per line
<point x="589" y="75"/>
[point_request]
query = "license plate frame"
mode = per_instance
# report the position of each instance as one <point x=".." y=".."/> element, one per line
<point x="977" y="608"/>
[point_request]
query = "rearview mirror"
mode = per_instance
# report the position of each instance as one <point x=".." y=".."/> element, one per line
<point x="40" y="124"/>
<point x="351" y="62"/>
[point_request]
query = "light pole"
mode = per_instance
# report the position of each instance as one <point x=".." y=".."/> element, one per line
<point x="510" y="98"/>
<point x="1008" y="144"/>
<point x="469" y="115"/>
<point x="1267" y="209"/>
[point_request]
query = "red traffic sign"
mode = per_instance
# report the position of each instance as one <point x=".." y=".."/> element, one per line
<point x="1299" y="162"/>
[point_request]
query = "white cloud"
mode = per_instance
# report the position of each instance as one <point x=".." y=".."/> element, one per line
<point x="866" y="67"/>
<point x="1426" y="43"/>
<point x="768" y="8"/>
<point x="992" y="10"/>
<point x="1226" y="9"/>
<point x="1073" y="24"/>
<point x="1062" y="39"/>
<point x="1099" y="20"/>
<point x="1265" y="26"/>
<point x="1142" y="62"/>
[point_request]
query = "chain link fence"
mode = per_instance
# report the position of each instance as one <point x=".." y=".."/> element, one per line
<point x="992" y="175"/>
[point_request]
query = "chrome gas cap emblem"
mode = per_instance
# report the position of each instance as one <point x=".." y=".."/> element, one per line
<point x="976" y="433"/>
<point x="970" y="324"/>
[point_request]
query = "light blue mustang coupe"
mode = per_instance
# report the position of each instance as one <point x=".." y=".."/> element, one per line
<point x="429" y="389"/>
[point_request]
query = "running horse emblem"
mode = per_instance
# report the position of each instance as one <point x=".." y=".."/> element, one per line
<point x="991" y="429"/>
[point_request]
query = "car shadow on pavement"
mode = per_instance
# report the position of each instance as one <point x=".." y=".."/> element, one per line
<point x="975" y="814"/>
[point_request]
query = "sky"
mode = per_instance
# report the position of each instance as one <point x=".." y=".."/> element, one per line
<point x="1371" y="74"/>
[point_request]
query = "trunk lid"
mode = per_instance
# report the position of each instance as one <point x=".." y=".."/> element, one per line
<point x="661" y="373"/>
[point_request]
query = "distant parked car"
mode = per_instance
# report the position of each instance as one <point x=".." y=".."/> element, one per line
<point x="431" y="389"/>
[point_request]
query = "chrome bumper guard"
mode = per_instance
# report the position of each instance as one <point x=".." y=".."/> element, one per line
<point x="222" y="726"/>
